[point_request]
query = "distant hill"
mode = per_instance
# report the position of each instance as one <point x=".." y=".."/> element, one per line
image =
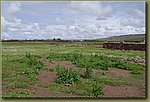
<point x="126" y="38"/>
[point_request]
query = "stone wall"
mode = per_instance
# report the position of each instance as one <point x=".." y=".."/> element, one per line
<point x="123" y="46"/>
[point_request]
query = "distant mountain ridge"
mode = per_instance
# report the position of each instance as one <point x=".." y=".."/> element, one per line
<point x="128" y="38"/>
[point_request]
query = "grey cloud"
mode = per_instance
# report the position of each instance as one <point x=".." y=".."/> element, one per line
<point x="132" y="22"/>
<point x="107" y="28"/>
<point x="101" y="18"/>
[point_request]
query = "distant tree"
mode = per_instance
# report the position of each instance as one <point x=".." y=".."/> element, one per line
<point x="59" y="39"/>
<point x="54" y="39"/>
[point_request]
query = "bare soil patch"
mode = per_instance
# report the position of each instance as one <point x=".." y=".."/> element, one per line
<point x="113" y="73"/>
<point x="122" y="91"/>
<point x="66" y="64"/>
<point x="40" y="92"/>
<point x="46" y="77"/>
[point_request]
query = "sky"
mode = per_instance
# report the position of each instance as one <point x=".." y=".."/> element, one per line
<point x="71" y="19"/>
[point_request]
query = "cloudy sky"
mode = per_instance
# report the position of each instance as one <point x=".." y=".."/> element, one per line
<point x="71" y="20"/>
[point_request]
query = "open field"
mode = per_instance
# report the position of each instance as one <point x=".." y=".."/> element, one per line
<point x="71" y="69"/>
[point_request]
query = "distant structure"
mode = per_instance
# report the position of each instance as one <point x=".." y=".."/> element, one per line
<point x="125" y="46"/>
<point x="58" y="39"/>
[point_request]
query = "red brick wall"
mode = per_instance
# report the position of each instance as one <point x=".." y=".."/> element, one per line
<point x="123" y="46"/>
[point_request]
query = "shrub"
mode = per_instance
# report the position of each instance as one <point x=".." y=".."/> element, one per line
<point x="50" y="69"/>
<point x="67" y="76"/>
<point x="120" y="64"/>
<point x="39" y="65"/>
<point x="30" y="72"/>
<point x="88" y="73"/>
<point x="28" y="55"/>
<point x="34" y="64"/>
<point x="97" y="89"/>
<point x="103" y="73"/>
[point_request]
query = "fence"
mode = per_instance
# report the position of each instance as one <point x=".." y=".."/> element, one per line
<point x="123" y="46"/>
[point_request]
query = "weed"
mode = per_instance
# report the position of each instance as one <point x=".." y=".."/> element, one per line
<point x="97" y="89"/>
<point x="135" y="72"/>
<point x="23" y="61"/>
<point x="18" y="94"/>
<point x="67" y="76"/>
<point x="50" y="69"/>
<point x="88" y="73"/>
<point x="82" y="88"/>
<point x="103" y="73"/>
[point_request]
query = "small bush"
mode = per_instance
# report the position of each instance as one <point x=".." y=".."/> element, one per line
<point x="88" y="73"/>
<point x="66" y="76"/>
<point x="50" y="69"/>
<point x="39" y="65"/>
<point x="28" y="55"/>
<point x="97" y="89"/>
<point x="32" y="71"/>
<point x="103" y="73"/>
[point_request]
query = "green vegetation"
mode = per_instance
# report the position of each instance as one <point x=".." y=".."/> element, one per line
<point x="82" y="88"/>
<point x="97" y="89"/>
<point x="21" y="63"/>
<point x="103" y="73"/>
<point x="96" y="61"/>
<point x="88" y="73"/>
<point x="110" y="81"/>
<point x="18" y="94"/>
<point x="66" y="76"/>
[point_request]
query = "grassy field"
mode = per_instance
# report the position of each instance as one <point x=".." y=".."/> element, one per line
<point x="38" y="69"/>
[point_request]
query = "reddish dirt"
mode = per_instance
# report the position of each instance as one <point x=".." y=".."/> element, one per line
<point x="66" y="64"/>
<point x="113" y="73"/>
<point x="46" y="77"/>
<point x="122" y="91"/>
<point x="40" y="91"/>
<point x="45" y="92"/>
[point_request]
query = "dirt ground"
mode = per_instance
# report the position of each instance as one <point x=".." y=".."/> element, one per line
<point x="109" y="91"/>
<point x="121" y="91"/>
<point x="45" y="77"/>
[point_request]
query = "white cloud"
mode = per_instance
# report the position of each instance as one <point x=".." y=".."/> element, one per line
<point x="84" y="27"/>
<point x="95" y="8"/>
<point x="9" y="21"/>
<point x="140" y="13"/>
<point x="14" y="7"/>
<point x="132" y="22"/>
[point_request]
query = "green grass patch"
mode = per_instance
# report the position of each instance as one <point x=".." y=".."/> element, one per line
<point x="110" y="81"/>
<point x="67" y="76"/>
<point x="21" y="64"/>
<point x="87" y="88"/>
<point x="17" y="94"/>
<point x="96" y="61"/>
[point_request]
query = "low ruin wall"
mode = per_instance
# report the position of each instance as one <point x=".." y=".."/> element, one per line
<point x="123" y="46"/>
